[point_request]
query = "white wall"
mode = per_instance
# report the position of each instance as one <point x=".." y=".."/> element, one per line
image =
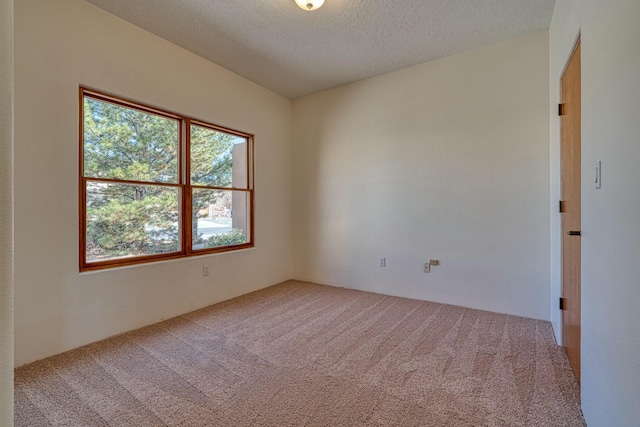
<point x="59" y="46"/>
<point x="610" y="50"/>
<point x="6" y="212"/>
<point x="446" y="160"/>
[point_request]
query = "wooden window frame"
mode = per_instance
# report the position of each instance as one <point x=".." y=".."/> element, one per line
<point x="183" y="184"/>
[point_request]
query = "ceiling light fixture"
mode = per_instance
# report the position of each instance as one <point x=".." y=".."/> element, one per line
<point x="309" y="4"/>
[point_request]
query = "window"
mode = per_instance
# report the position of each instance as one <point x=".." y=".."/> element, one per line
<point x="156" y="185"/>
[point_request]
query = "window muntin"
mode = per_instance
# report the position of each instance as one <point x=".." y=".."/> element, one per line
<point x="143" y="200"/>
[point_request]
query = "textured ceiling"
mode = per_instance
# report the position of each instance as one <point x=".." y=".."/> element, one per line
<point x="294" y="52"/>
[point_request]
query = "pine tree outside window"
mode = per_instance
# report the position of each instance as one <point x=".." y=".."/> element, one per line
<point x="156" y="185"/>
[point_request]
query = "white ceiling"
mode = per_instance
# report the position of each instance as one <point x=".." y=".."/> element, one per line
<point x="294" y="52"/>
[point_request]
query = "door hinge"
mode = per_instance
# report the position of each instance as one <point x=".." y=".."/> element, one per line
<point x="561" y="109"/>
<point x="562" y="304"/>
<point x="561" y="207"/>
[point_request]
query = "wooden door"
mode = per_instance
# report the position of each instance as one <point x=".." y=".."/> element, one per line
<point x="570" y="208"/>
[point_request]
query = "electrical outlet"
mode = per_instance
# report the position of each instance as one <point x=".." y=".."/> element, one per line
<point x="205" y="270"/>
<point x="427" y="267"/>
<point x="383" y="261"/>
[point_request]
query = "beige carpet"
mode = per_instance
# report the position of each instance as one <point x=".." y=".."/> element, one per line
<point x="300" y="354"/>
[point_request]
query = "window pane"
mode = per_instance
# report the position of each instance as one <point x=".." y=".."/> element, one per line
<point x="218" y="159"/>
<point x="128" y="144"/>
<point x="125" y="220"/>
<point x="219" y="218"/>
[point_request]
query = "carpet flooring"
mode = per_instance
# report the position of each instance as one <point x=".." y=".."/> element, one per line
<point x="301" y="354"/>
